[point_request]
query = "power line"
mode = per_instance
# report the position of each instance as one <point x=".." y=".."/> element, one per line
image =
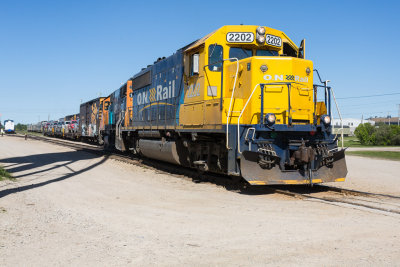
<point x="365" y="96"/>
<point x="373" y="102"/>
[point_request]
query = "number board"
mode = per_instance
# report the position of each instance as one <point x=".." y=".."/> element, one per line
<point x="240" y="37"/>
<point x="273" y="40"/>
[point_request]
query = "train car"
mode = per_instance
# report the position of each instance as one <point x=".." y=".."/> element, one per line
<point x="9" y="127"/>
<point x="90" y="117"/>
<point x="36" y="127"/>
<point x="71" y="127"/>
<point x="240" y="101"/>
<point x="41" y="127"/>
<point x="58" y="128"/>
<point x="47" y="128"/>
<point x="115" y="116"/>
<point x="104" y="122"/>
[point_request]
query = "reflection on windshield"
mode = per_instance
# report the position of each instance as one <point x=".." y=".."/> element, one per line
<point x="266" y="53"/>
<point x="240" y="53"/>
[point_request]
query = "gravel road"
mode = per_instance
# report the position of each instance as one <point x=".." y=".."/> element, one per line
<point x="74" y="208"/>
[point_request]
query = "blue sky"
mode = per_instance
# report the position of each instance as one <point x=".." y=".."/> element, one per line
<point x="55" y="54"/>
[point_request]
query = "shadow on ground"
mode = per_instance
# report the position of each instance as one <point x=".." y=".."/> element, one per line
<point x="32" y="162"/>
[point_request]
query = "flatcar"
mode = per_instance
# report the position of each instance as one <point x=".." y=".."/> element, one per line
<point x="9" y="127"/>
<point x="240" y="101"/>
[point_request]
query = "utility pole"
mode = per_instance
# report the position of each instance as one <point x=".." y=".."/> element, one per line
<point x="398" y="116"/>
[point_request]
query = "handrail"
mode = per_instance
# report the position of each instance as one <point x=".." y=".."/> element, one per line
<point x="327" y="90"/>
<point x="318" y="75"/>
<point x="241" y="113"/>
<point x="233" y="91"/>
<point x="230" y="103"/>
<point x="340" y="115"/>
<point x="288" y="84"/>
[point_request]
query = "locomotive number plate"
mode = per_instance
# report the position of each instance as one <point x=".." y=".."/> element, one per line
<point x="240" y="37"/>
<point x="273" y="40"/>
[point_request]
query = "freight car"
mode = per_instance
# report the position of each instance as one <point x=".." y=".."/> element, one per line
<point x="90" y="117"/>
<point x="240" y="101"/>
<point x="71" y="127"/>
<point x="37" y="127"/>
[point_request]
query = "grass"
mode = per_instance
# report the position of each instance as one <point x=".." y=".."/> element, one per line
<point x="29" y="133"/>
<point x="5" y="174"/>
<point x="393" y="155"/>
<point x="351" y="141"/>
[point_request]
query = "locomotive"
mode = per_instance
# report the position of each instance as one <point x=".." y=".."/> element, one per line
<point x="240" y="101"/>
<point x="9" y="126"/>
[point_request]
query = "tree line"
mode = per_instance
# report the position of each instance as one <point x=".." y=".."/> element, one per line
<point x="379" y="135"/>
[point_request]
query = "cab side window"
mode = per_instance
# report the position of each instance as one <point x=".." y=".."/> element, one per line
<point x="215" y="56"/>
<point x="288" y="50"/>
<point x="194" y="64"/>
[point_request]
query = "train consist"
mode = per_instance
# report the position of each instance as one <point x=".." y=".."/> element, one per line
<point x="240" y="101"/>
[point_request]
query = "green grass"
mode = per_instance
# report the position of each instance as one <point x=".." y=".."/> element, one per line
<point x="393" y="155"/>
<point x="29" y="133"/>
<point x="351" y="141"/>
<point x="5" y="175"/>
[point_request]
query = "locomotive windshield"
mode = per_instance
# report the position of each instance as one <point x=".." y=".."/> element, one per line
<point x="266" y="53"/>
<point x="240" y="53"/>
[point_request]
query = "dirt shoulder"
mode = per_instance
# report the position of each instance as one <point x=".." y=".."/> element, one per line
<point x="75" y="208"/>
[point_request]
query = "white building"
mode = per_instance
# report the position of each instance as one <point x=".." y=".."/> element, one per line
<point x="351" y="123"/>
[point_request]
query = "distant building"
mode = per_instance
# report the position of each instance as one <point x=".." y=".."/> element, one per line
<point x="349" y="125"/>
<point x="386" y="120"/>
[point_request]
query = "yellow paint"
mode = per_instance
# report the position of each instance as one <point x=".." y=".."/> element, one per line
<point x="129" y="99"/>
<point x="288" y="182"/>
<point x="294" y="181"/>
<point x="281" y="69"/>
<point x="316" y="181"/>
<point x="258" y="182"/>
<point x="155" y="104"/>
<point x="340" y="179"/>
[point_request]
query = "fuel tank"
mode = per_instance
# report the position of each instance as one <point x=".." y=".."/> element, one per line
<point x="160" y="150"/>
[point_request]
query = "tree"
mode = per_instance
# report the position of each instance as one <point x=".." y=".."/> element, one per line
<point x="366" y="134"/>
<point x="20" y="127"/>
<point x="381" y="134"/>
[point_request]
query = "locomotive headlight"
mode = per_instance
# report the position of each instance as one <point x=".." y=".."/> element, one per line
<point x="326" y="119"/>
<point x="270" y="118"/>
<point x="261" y="30"/>
<point x="260" y="39"/>
<point x="308" y="71"/>
<point x="263" y="68"/>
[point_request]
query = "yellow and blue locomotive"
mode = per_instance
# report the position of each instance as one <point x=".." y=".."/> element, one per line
<point x="239" y="101"/>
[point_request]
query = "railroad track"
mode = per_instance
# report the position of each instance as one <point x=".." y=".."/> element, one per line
<point x="67" y="143"/>
<point x="386" y="204"/>
<point x="373" y="202"/>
